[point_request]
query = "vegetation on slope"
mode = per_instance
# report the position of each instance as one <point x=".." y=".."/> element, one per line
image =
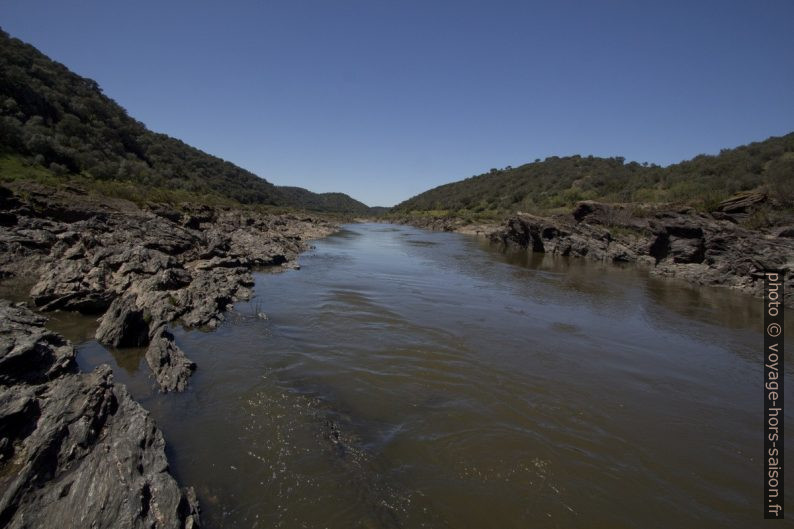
<point x="559" y="182"/>
<point x="55" y="120"/>
<point x="323" y="201"/>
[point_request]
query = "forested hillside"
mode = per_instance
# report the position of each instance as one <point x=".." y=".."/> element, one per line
<point x="323" y="201"/>
<point x="559" y="182"/>
<point x="58" y="125"/>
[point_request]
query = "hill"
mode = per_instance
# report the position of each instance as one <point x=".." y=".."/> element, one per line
<point x="336" y="202"/>
<point x="56" y="125"/>
<point x="559" y="182"/>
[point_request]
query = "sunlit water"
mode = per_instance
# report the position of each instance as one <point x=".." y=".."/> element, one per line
<point x="412" y="379"/>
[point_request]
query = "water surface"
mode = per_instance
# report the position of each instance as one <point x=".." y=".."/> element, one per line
<point x="411" y="379"/>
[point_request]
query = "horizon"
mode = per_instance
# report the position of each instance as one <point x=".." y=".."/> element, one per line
<point x="433" y="135"/>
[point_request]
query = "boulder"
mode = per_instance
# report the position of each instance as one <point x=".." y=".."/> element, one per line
<point x="170" y="366"/>
<point x="742" y="203"/>
<point x="124" y="324"/>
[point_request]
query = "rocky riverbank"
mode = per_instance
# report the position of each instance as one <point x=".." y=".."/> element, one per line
<point x="712" y="249"/>
<point x="76" y="450"/>
<point x="141" y="269"/>
<point x="450" y="223"/>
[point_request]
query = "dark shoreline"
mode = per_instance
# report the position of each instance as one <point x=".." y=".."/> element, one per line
<point x="700" y="248"/>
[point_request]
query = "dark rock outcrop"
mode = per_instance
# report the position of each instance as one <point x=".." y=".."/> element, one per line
<point x="124" y="324"/>
<point x="76" y="450"/>
<point x="697" y="247"/>
<point x="168" y="362"/>
<point x="742" y="203"/>
<point x="143" y="269"/>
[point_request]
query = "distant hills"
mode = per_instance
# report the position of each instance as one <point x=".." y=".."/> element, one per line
<point x="559" y="182"/>
<point x="332" y="202"/>
<point x="56" y="125"/>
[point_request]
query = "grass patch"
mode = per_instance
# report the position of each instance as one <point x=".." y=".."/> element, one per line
<point x="15" y="168"/>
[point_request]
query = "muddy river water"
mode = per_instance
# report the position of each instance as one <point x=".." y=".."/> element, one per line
<point x="406" y="379"/>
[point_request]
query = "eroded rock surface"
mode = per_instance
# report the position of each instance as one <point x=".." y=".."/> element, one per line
<point x="76" y="450"/>
<point x="698" y="247"/>
<point x="172" y="368"/>
<point x="143" y="269"/>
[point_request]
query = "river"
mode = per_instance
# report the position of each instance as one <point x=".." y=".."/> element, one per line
<point x="406" y="379"/>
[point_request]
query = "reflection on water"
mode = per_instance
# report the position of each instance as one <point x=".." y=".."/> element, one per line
<point x="413" y="379"/>
<point x="75" y="327"/>
<point x="711" y="305"/>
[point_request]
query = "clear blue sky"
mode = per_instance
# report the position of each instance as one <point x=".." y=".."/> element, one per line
<point x="385" y="99"/>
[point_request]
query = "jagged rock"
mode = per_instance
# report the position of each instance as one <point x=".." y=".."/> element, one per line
<point x="142" y="268"/>
<point x="77" y="451"/>
<point x="209" y="293"/>
<point x="172" y="279"/>
<point x="170" y="366"/>
<point x="584" y="209"/>
<point x="124" y="324"/>
<point x="30" y="354"/>
<point x="198" y="216"/>
<point x="73" y="285"/>
<point x="142" y="260"/>
<point x="686" y="244"/>
<point x="677" y="236"/>
<point x="167" y="239"/>
<point x="687" y="250"/>
<point x="742" y="203"/>
<point x="595" y="212"/>
<point x="165" y="211"/>
<point x="559" y="237"/>
<point x="220" y="262"/>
